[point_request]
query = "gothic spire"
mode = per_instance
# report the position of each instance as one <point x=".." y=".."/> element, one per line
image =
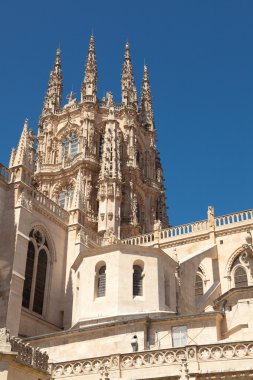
<point x="128" y="89"/>
<point x="22" y="154"/>
<point x="89" y="85"/>
<point x="146" y="110"/>
<point x="52" y="102"/>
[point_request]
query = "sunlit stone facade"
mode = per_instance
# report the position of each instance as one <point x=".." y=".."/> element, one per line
<point x="94" y="280"/>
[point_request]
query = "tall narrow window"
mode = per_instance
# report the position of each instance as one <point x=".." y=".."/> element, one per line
<point x="199" y="289"/>
<point x="40" y="282"/>
<point x="137" y="281"/>
<point x="28" y="275"/>
<point x="240" y="277"/>
<point x="36" y="272"/>
<point x="101" y="281"/>
<point x="61" y="199"/>
<point x="74" y="145"/>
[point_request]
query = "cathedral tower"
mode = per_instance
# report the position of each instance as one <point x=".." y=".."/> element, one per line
<point x="99" y="157"/>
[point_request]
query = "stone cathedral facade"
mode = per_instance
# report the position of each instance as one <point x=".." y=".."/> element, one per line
<point x="94" y="281"/>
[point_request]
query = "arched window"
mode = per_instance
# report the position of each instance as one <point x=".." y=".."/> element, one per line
<point x="240" y="277"/>
<point x="239" y="271"/>
<point x="40" y="282"/>
<point x="65" y="197"/>
<point x="199" y="288"/>
<point x="101" y="287"/>
<point x="36" y="272"/>
<point x="137" y="281"/>
<point x="65" y="147"/>
<point x="70" y="146"/>
<point x="73" y="145"/>
<point x="61" y="199"/>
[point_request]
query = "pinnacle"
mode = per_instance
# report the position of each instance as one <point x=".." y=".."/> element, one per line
<point x="92" y="43"/>
<point x="21" y="153"/>
<point x="145" y="73"/>
<point x="58" y="57"/>
<point x="127" y="51"/>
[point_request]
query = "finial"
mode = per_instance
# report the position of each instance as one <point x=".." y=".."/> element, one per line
<point x="89" y="85"/>
<point x="58" y="57"/>
<point x="92" y="43"/>
<point x="127" y="50"/>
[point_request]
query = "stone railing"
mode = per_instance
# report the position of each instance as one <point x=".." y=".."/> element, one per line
<point x="238" y="217"/>
<point x="156" y="358"/>
<point x="68" y="162"/>
<point x="169" y="233"/>
<point x="29" y="355"/>
<point x="30" y="197"/>
<point x="196" y="228"/>
<point x="4" y="173"/>
<point x="87" y="236"/>
<point x="50" y="205"/>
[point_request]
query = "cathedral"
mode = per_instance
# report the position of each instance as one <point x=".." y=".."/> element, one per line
<point x="95" y="284"/>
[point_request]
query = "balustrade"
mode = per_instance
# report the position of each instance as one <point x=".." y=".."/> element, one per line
<point x="155" y="358"/>
<point x="185" y="230"/>
<point x="237" y="217"/>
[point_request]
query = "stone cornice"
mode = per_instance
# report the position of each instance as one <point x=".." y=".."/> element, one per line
<point x="121" y="320"/>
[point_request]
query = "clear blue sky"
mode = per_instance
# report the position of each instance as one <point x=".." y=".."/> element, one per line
<point x="200" y="58"/>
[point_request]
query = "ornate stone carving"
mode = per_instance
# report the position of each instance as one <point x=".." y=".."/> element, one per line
<point x="149" y="359"/>
<point x="28" y="355"/>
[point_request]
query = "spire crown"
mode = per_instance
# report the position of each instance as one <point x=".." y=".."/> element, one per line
<point x="128" y="90"/>
<point x="53" y="95"/>
<point x="89" y="86"/>
<point x="127" y="51"/>
<point x="146" y="111"/>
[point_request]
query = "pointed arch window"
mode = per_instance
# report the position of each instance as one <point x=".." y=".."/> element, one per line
<point x="61" y="199"/>
<point x="73" y="145"/>
<point x="199" y="286"/>
<point x="65" y="147"/>
<point x="101" y="282"/>
<point x="65" y="197"/>
<point x="239" y="271"/>
<point x="240" y="277"/>
<point x="36" y="272"/>
<point x="137" y="281"/>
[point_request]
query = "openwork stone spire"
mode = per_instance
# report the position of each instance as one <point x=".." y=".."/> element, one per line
<point x="89" y="86"/>
<point x="53" y="96"/>
<point x="146" y="111"/>
<point x="128" y="89"/>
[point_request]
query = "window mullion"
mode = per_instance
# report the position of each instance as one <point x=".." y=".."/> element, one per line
<point x="34" y="277"/>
